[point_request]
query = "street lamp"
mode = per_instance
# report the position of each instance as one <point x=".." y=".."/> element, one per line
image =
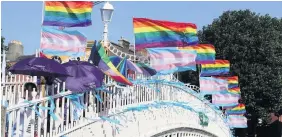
<point x="106" y="14"/>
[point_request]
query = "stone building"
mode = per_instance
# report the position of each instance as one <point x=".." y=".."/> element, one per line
<point x="15" y="50"/>
<point x="122" y="45"/>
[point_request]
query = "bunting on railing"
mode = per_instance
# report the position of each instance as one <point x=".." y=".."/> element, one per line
<point x="78" y="106"/>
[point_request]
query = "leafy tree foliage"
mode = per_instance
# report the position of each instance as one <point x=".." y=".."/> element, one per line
<point x="3" y="47"/>
<point x="253" y="45"/>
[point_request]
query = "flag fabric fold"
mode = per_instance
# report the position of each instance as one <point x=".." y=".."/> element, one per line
<point x="169" y="60"/>
<point x="240" y="109"/>
<point x="210" y="85"/>
<point x="235" y="121"/>
<point x="57" y="42"/>
<point x="99" y="58"/>
<point x="233" y="81"/>
<point x="68" y="13"/>
<point x="225" y="99"/>
<point x="205" y="53"/>
<point x="220" y="67"/>
<point x="234" y="90"/>
<point x="156" y="33"/>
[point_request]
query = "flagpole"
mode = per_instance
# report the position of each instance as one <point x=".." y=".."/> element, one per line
<point x="134" y="48"/>
<point x="4" y="66"/>
<point x="42" y="18"/>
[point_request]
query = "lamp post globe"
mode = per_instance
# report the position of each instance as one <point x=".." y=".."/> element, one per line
<point x="107" y="12"/>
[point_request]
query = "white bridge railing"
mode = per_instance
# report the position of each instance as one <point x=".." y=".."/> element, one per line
<point x="67" y="119"/>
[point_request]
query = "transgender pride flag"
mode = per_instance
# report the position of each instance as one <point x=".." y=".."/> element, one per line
<point x="168" y="60"/>
<point x="225" y="99"/>
<point x="56" y="42"/>
<point x="236" y="121"/>
<point x="211" y="85"/>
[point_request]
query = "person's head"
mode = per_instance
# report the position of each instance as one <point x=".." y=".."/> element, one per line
<point x="28" y="87"/>
<point x="280" y="115"/>
<point x="272" y="117"/>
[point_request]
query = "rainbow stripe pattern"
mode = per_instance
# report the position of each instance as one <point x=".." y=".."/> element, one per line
<point x="156" y="33"/>
<point x="57" y="42"/>
<point x="234" y="90"/>
<point x="233" y="81"/>
<point x="240" y="109"/>
<point x="237" y="121"/>
<point x="205" y="53"/>
<point x="68" y="13"/>
<point x="99" y="58"/>
<point x="168" y="60"/>
<point x="219" y="67"/>
<point x="211" y="85"/>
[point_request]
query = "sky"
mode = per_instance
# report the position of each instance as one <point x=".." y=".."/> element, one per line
<point x="22" y="20"/>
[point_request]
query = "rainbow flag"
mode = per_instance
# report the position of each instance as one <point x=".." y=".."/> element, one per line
<point x="240" y="109"/>
<point x="235" y="121"/>
<point x="219" y="67"/>
<point x="210" y="85"/>
<point x="168" y="60"/>
<point x="233" y="81"/>
<point x="234" y="90"/>
<point x="156" y="33"/>
<point x="55" y="42"/>
<point x="99" y="58"/>
<point x="225" y="99"/>
<point x="68" y="13"/>
<point x="205" y="53"/>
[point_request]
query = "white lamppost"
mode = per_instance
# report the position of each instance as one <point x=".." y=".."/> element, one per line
<point x="106" y="14"/>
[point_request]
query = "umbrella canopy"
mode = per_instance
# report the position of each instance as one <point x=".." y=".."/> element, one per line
<point x="122" y="67"/>
<point x="146" y="70"/>
<point x="39" y="66"/>
<point x="129" y="65"/>
<point x="85" y="76"/>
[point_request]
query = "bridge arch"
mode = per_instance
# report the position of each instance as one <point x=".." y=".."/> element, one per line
<point x="159" y="122"/>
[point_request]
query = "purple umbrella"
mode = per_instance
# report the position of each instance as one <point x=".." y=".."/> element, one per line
<point x="39" y="66"/>
<point x="129" y="65"/>
<point x="85" y="76"/>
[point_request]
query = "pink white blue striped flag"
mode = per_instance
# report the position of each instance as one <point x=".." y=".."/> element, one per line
<point x="237" y="121"/>
<point x="211" y="85"/>
<point x="58" y="42"/>
<point x="170" y="59"/>
<point x="225" y="99"/>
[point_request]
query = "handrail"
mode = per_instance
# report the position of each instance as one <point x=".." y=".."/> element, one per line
<point x="185" y="89"/>
<point x="169" y="81"/>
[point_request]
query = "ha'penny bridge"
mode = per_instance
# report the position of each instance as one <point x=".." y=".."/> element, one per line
<point x="143" y="110"/>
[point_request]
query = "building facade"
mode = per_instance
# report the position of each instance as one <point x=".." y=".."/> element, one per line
<point x="15" y="50"/>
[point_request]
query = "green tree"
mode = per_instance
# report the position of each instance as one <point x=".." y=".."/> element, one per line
<point x="3" y="47"/>
<point x="253" y="45"/>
